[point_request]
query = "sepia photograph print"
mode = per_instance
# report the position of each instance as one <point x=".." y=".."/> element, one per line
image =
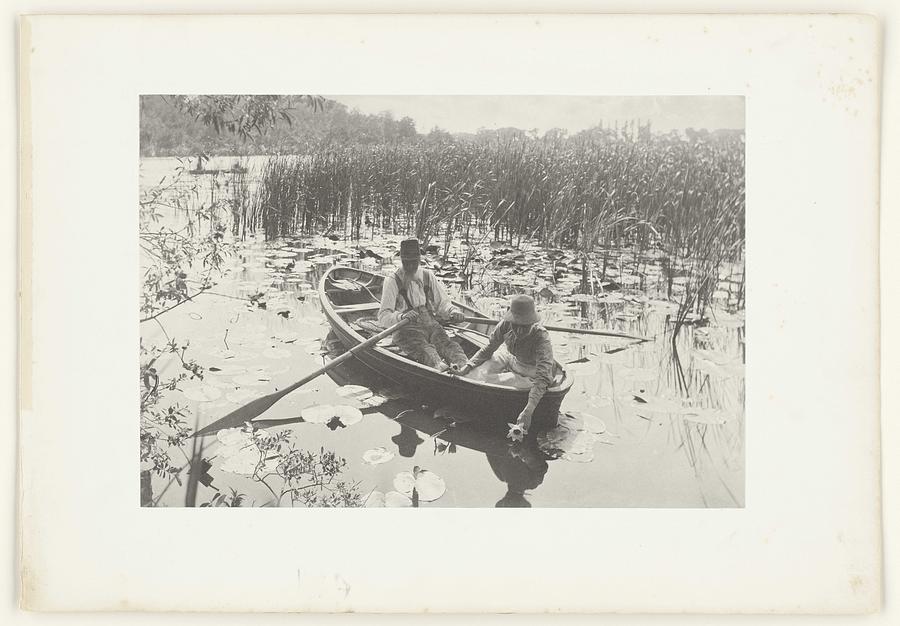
<point x="520" y="278"/>
<point x="442" y="301"/>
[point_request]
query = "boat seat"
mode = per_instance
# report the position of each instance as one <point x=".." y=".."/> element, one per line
<point x="352" y="308"/>
<point x="368" y="326"/>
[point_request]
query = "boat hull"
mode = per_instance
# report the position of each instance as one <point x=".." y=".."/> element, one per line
<point x="493" y="404"/>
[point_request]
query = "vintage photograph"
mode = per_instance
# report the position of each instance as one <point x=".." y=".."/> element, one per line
<point x="442" y="301"/>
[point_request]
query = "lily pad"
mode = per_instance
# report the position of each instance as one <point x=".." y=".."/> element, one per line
<point x="580" y="457"/>
<point x="252" y="379"/>
<point x="395" y="499"/>
<point x="319" y="414"/>
<point x="585" y="368"/>
<point x="601" y="402"/>
<point x="347" y="415"/>
<point x="652" y="404"/>
<point x="704" y="416"/>
<point x="354" y="392"/>
<point x="240" y="396"/>
<point x="232" y="436"/>
<point x="639" y="373"/>
<point x="202" y="393"/>
<point x="375" y="400"/>
<point x="276" y="353"/>
<point x="375" y="499"/>
<point x="313" y="347"/>
<point x="243" y="462"/>
<point x="428" y="485"/>
<point x="324" y="413"/>
<point x="592" y="424"/>
<point x="167" y="363"/>
<point x="239" y="454"/>
<point x="283" y="253"/>
<point x="246" y="461"/>
<point x="569" y="438"/>
<point x="216" y="382"/>
<point x="377" y="456"/>
<point x="229" y="369"/>
<point x="222" y="353"/>
<point x="612" y="358"/>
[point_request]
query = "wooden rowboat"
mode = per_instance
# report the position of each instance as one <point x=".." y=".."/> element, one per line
<point x="350" y="299"/>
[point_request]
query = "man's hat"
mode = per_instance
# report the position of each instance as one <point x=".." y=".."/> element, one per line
<point x="409" y="250"/>
<point x="522" y="311"/>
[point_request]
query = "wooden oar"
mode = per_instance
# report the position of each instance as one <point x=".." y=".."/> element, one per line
<point x="563" y="329"/>
<point x="261" y="405"/>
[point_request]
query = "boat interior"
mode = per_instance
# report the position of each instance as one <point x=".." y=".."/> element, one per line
<point x="356" y="297"/>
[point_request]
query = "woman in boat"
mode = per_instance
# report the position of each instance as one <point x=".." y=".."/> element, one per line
<point x="528" y="353"/>
<point x="414" y="293"/>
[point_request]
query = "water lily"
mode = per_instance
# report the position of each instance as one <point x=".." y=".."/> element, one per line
<point x="516" y="432"/>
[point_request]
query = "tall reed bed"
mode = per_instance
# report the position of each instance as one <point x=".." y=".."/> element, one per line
<point x="664" y="196"/>
<point x="652" y="191"/>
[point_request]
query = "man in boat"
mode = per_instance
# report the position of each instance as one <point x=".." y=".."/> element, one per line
<point x="414" y="293"/>
<point x="527" y="353"/>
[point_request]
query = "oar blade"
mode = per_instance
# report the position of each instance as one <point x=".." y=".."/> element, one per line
<point x="240" y="415"/>
<point x="259" y="406"/>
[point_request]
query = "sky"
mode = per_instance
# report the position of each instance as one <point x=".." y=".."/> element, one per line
<point x="573" y="113"/>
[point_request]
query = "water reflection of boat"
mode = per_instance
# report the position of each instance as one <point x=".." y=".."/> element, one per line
<point x="521" y="466"/>
<point x="350" y="299"/>
<point x="522" y="469"/>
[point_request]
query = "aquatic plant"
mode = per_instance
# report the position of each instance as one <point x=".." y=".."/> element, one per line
<point x="174" y="256"/>
<point x="163" y="426"/>
<point x="273" y="460"/>
<point x="654" y="192"/>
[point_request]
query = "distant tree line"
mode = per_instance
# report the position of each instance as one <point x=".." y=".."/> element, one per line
<point x="169" y="126"/>
<point x="248" y="125"/>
